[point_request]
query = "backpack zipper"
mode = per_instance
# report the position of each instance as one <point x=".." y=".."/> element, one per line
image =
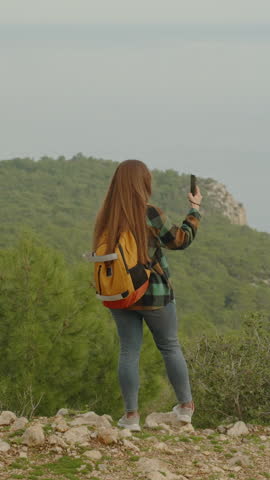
<point x="99" y="284"/>
<point x="123" y="256"/>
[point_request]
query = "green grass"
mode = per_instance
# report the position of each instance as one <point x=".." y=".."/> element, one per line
<point x="183" y="438"/>
<point x="214" y="442"/>
<point x="21" y="464"/>
<point x="67" y="466"/>
<point x="254" y="438"/>
<point x="213" y="436"/>
<point x="218" y="448"/>
<point x="38" y="470"/>
<point x="228" y="455"/>
<point x="47" y="428"/>
<point x="164" y="437"/>
<point x="134" y="458"/>
<point x="142" y="435"/>
<point x="195" y="438"/>
<point x="16" y="433"/>
<point x="17" y="441"/>
<point x="18" y="476"/>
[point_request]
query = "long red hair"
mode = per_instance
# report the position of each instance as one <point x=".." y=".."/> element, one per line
<point x="124" y="207"/>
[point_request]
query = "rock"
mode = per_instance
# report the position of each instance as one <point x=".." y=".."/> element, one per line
<point x="214" y="468"/>
<point x="56" y="440"/>
<point x="221" y="429"/>
<point x="18" y="424"/>
<point x="107" y="435"/>
<point x="238" y="429"/>
<point x="62" y="411"/>
<point x="150" y="423"/>
<point x="208" y="431"/>
<point x="222" y="437"/>
<point x="165" y="427"/>
<point x="163" y="420"/>
<point x="131" y="445"/>
<point x="178" y="450"/>
<point x="40" y="421"/>
<point x="60" y="425"/>
<point x="152" y="468"/>
<point x="57" y="450"/>
<point x="239" y="459"/>
<point x="232" y="468"/>
<point x="162" y="447"/>
<point x="4" y="446"/>
<point x="160" y="418"/>
<point x="76" y="434"/>
<point x="263" y="438"/>
<point x="91" y="418"/>
<point x="93" y="455"/>
<point x="152" y="439"/>
<point x="232" y="209"/>
<point x="94" y="473"/>
<point x="108" y="417"/>
<point x="7" y="417"/>
<point x="188" y="428"/>
<point x="156" y="476"/>
<point x="33" y="436"/>
<point x="125" y="433"/>
<point x="23" y="454"/>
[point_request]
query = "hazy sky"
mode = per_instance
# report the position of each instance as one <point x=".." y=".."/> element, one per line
<point x="141" y="11"/>
<point x="177" y="84"/>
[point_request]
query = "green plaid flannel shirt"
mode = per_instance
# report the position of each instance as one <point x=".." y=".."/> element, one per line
<point x="164" y="234"/>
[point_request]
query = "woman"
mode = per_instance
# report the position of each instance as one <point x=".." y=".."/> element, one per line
<point x="126" y="207"/>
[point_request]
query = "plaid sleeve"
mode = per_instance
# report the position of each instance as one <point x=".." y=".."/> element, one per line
<point x="171" y="236"/>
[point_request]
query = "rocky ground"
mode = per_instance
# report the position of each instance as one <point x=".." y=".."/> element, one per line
<point x="77" y="446"/>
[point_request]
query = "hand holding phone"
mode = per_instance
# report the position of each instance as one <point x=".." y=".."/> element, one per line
<point x="193" y="183"/>
<point x="194" y="195"/>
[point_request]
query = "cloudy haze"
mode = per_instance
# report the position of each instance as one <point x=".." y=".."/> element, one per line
<point x="181" y="85"/>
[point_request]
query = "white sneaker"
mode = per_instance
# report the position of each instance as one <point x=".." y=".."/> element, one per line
<point x="183" y="414"/>
<point x="131" y="423"/>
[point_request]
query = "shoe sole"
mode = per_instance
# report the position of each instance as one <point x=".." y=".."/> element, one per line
<point x="182" y="418"/>
<point x="133" y="428"/>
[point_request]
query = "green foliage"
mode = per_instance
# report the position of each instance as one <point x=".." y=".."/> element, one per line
<point x="230" y="374"/>
<point x="49" y="329"/>
<point x="222" y="275"/>
<point x="59" y="346"/>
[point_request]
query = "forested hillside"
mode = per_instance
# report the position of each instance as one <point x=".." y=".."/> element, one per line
<point x="221" y="277"/>
<point x="58" y="344"/>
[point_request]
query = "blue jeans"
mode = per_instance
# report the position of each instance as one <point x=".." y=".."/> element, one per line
<point x="163" y="325"/>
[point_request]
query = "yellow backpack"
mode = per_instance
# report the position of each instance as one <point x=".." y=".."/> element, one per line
<point x="120" y="280"/>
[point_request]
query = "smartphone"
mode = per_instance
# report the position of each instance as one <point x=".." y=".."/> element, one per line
<point x="193" y="184"/>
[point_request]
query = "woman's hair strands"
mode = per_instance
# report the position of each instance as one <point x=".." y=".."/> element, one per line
<point x="124" y="207"/>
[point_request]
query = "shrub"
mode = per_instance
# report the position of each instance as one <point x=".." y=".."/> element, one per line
<point x="230" y="374"/>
